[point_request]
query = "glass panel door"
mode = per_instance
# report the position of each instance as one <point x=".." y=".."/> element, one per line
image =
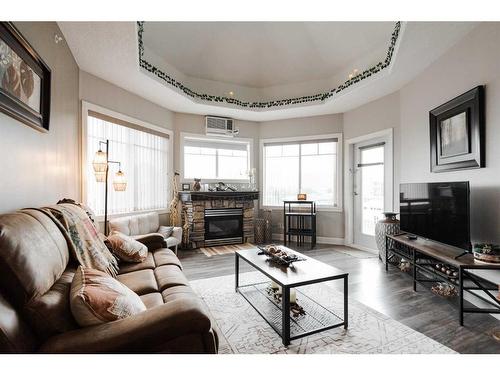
<point x="369" y="181"/>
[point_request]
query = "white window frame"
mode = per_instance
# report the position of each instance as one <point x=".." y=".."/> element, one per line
<point x="184" y="135"/>
<point x="339" y="176"/>
<point x="86" y="107"/>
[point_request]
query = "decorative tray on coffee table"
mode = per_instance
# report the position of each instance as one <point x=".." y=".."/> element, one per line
<point x="278" y="255"/>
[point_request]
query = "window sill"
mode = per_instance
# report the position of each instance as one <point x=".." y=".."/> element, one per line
<point x="318" y="208"/>
<point x="214" y="181"/>
<point x="100" y="218"/>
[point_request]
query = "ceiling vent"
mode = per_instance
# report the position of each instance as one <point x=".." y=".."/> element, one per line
<point x="220" y="126"/>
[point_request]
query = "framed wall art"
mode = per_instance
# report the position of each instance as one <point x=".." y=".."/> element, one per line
<point x="24" y="80"/>
<point x="457" y="132"/>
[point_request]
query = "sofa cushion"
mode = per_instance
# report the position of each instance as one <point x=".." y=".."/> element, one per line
<point x="166" y="256"/>
<point x="148" y="263"/>
<point x="168" y="276"/>
<point x="152" y="300"/>
<point x="50" y="314"/>
<point x="141" y="282"/>
<point x="177" y="292"/>
<point x="33" y="254"/>
<point x="126" y="248"/>
<point x="98" y="298"/>
<point x="136" y="224"/>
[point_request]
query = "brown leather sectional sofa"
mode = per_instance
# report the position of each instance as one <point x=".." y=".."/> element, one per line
<point x="36" y="270"/>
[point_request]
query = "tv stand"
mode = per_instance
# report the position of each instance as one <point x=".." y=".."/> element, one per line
<point x="424" y="255"/>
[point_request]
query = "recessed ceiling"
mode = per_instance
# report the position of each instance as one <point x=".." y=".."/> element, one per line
<point x="111" y="51"/>
<point x="263" y="54"/>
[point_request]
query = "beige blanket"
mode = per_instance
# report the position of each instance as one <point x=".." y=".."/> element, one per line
<point x="82" y="237"/>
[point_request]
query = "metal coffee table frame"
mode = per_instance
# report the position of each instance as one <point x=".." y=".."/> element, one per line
<point x="285" y="301"/>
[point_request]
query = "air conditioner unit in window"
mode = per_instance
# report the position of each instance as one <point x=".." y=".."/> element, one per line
<point x="220" y="126"/>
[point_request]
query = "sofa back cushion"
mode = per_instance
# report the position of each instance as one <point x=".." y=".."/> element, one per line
<point x="136" y="224"/>
<point x="33" y="255"/>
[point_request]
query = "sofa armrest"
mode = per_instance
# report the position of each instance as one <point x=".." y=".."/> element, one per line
<point x="147" y="331"/>
<point x="177" y="233"/>
<point x="153" y="241"/>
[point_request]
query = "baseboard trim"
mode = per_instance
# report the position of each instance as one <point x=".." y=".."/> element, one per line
<point x="319" y="239"/>
<point x="364" y="248"/>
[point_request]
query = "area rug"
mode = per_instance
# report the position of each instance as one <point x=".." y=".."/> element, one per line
<point x="226" y="249"/>
<point x="243" y="331"/>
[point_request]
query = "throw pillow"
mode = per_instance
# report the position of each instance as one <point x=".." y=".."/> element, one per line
<point x="166" y="231"/>
<point x="126" y="248"/>
<point x="97" y="298"/>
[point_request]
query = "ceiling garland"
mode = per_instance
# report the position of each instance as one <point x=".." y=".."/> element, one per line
<point x="272" y="103"/>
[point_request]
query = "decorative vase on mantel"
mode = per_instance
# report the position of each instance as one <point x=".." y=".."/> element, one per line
<point x="388" y="225"/>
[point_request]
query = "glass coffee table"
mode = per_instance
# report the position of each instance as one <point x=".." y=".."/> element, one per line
<point x="309" y="271"/>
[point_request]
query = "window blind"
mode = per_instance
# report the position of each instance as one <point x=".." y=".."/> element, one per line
<point x="143" y="154"/>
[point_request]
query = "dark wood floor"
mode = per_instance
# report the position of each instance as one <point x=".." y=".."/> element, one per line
<point x="390" y="293"/>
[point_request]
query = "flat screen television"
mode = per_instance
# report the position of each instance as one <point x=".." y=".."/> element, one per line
<point x="437" y="211"/>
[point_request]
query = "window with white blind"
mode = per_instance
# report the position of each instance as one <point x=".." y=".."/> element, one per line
<point x="215" y="159"/>
<point x="309" y="165"/>
<point x="144" y="157"/>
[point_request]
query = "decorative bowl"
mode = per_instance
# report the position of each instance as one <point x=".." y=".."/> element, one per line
<point x="279" y="255"/>
<point x="486" y="252"/>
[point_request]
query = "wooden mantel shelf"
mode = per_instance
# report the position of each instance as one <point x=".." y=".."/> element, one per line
<point x="187" y="196"/>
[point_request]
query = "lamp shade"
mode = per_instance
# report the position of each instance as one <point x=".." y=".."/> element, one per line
<point x="100" y="176"/>
<point x="100" y="162"/>
<point x="120" y="182"/>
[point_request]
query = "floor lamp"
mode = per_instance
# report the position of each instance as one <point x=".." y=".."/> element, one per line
<point x="101" y="167"/>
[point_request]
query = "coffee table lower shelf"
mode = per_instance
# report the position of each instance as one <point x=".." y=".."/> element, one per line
<point x="317" y="319"/>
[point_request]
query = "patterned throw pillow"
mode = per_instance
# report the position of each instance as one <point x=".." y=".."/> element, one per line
<point x="126" y="248"/>
<point x="165" y="231"/>
<point x="97" y="298"/>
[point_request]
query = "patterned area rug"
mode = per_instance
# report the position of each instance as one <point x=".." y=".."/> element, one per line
<point x="242" y="330"/>
<point x="226" y="249"/>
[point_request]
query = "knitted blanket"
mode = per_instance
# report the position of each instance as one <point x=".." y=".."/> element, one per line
<point x="82" y="237"/>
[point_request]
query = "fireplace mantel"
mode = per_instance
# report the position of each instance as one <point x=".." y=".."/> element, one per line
<point x="192" y="196"/>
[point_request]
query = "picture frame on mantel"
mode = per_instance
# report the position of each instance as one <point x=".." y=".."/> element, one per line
<point x="457" y="133"/>
<point x="24" y="80"/>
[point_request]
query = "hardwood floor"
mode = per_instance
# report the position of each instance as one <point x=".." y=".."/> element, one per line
<point x="390" y="293"/>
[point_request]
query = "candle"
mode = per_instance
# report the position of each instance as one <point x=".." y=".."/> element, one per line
<point x="275" y="286"/>
<point x="293" y="296"/>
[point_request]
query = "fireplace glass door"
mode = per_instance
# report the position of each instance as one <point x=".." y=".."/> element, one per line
<point x="223" y="226"/>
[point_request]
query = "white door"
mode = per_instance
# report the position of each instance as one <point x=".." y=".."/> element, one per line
<point x="372" y="188"/>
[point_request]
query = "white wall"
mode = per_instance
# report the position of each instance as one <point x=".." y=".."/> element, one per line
<point x="329" y="224"/>
<point x="41" y="168"/>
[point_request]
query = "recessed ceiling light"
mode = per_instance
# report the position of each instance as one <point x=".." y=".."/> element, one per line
<point x="231" y="93"/>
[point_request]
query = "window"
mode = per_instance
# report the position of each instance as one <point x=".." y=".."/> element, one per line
<point x="215" y="159"/>
<point x="308" y="165"/>
<point x="144" y="157"/>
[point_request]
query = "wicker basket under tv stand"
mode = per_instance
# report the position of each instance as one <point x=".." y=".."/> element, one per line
<point x="424" y="254"/>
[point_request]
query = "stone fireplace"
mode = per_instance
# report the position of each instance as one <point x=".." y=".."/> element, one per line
<point x="218" y="218"/>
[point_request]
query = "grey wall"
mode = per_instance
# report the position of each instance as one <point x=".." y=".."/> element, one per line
<point x="329" y="224"/>
<point x="98" y="91"/>
<point x="41" y="168"/>
<point x="473" y="61"/>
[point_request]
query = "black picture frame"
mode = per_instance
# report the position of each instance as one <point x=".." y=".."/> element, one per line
<point x="13" y="105"/>
<point x="457" y="133"/>
<point x="186" y="187"/>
